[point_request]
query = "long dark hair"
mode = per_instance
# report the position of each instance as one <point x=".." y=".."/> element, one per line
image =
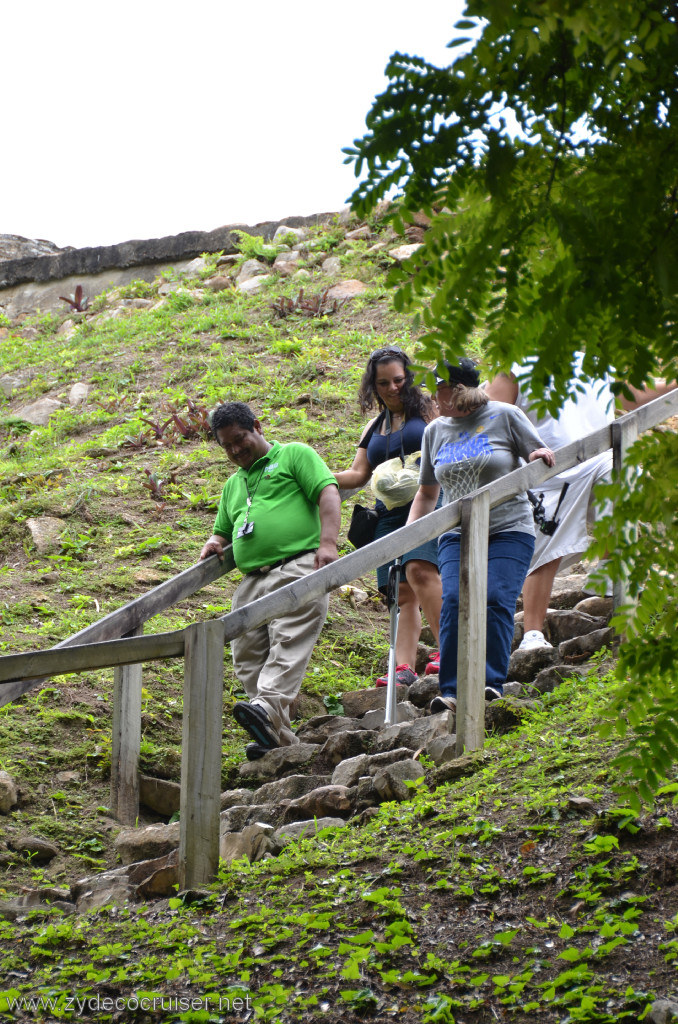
<point x="415" y="402"/>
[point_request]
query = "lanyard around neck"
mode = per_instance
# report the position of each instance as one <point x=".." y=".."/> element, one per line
<point x="251" y="493"/>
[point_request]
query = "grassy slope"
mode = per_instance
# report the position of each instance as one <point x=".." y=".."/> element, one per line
<point x="430" y="911"/>
<point x="301" y="375"/>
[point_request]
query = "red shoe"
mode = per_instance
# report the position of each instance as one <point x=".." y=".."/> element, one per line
<point x="404" y="676"/>
<point x="433" y="667"/>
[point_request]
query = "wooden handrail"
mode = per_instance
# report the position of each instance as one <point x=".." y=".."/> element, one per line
<point x="129" y="618"/>
<point x="14" y="667"/>
<point x="17" y="670"/>
<point x="36" y="665"/>
<point x="201" y="644"/>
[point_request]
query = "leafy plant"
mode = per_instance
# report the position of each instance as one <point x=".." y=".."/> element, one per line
<point x="254" y="247"/>
<point x="159" y="429"/>
<point x="333" y="704"/>
<point x="15" y="425"/>
<point x="156" y="484"/>
<point x="287" y="346"/>
<point x="77" y="301"/>
<point x="142" y="440"/>
<point x="311" y="306"/>
<point x="137" y="289"/>
<point x="194" y="423"/>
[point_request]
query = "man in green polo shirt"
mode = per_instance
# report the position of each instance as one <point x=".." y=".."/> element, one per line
<point x="281" y="513"/>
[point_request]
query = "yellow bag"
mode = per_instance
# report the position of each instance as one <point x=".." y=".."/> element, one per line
<point x="396" y="484"/>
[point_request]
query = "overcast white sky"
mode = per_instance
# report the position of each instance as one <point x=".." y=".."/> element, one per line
<point x="143" y="118"/>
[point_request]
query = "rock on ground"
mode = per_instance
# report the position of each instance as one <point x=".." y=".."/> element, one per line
<point x="45" y="533"/>
<point x="8" y="793"/>
<point x="146" y="843"/>
<point x="39" y="413"/>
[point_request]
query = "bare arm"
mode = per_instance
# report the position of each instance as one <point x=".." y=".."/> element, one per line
<point x="424" y="502"/>
<point x="641" y="396"/>
<point x="214" y="546"/>
<point x="358" y="475"/>
<point x="330" y="520"/>
<point x="360" y="472"/>
<point x="504" y="388"/>
<point x="542" y="453"/>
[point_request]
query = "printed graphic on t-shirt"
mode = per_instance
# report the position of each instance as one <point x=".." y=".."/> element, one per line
<point x="458" y="464"/>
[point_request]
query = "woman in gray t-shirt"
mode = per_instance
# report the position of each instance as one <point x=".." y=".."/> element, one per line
<point x="473" y="442"/>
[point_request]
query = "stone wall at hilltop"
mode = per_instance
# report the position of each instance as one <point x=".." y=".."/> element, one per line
<point x="17" y="247"/>
<point x="35" y="282"/>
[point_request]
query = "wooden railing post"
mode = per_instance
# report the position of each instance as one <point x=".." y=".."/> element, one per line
<point x="472" y="626"/>
<point x="126" y="742"/>
<point x="624" y="434"/>
<point x="201" y="754"/>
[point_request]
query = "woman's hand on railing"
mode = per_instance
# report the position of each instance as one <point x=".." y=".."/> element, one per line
<point x="543" y="453"/>
<point x="214" y="546"/>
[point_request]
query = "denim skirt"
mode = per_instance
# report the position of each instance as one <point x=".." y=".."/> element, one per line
<point x="393" y="520"/>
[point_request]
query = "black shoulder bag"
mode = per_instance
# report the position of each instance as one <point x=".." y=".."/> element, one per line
<point x="364" y="520"/>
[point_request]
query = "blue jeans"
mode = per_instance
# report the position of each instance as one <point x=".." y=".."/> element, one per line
<point x="509" y="556"/>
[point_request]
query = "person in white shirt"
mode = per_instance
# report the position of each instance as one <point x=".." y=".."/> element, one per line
<point x="591" y="405"/>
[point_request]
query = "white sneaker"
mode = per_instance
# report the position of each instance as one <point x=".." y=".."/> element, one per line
<point x="532" y="639"/>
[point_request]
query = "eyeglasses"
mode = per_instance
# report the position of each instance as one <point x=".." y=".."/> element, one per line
<point x="379" y="353"/>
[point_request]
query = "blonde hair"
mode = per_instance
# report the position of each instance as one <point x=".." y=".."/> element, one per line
<point x="469" y="399"/>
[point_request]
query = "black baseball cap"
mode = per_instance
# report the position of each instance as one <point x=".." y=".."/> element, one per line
<point x="464" y="372"/>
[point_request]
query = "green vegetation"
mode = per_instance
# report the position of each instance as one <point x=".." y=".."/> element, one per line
<point x="135" y="479"/>
<point x="498" y="895"/>
<point x="545" y="159"/>
<point x="492" y="895"/>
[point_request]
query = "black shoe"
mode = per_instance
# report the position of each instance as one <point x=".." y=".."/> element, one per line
<point x="439" y="704"/>
<point x="254" y="751"/>
<point x="257" y="723"/>
<point x="492" y="693"/>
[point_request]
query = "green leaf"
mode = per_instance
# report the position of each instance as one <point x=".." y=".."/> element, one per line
<point x="571" y="953"/>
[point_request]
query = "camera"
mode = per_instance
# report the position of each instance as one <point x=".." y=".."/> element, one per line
<point x="245" y="530"/>
<point x="547" y="526"/>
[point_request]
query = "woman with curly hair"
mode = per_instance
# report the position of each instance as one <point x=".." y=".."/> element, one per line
<point x="404" y="411"/>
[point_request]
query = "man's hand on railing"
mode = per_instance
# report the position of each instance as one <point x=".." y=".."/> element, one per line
<point x="543" y="453"/>
<point x="214" y="546"/>
<point x="329" y="510"/>
<point x="326" y="553"/>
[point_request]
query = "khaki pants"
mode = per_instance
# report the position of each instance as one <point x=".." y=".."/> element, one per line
<point x="271" y="661"/>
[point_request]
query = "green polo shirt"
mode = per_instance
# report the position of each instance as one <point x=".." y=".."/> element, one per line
<point x="285" y="485"/>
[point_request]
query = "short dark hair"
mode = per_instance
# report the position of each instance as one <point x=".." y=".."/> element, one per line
<point x="232" y="412"/>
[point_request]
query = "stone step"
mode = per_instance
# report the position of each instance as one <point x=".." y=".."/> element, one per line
<point x="346" y="765"/>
